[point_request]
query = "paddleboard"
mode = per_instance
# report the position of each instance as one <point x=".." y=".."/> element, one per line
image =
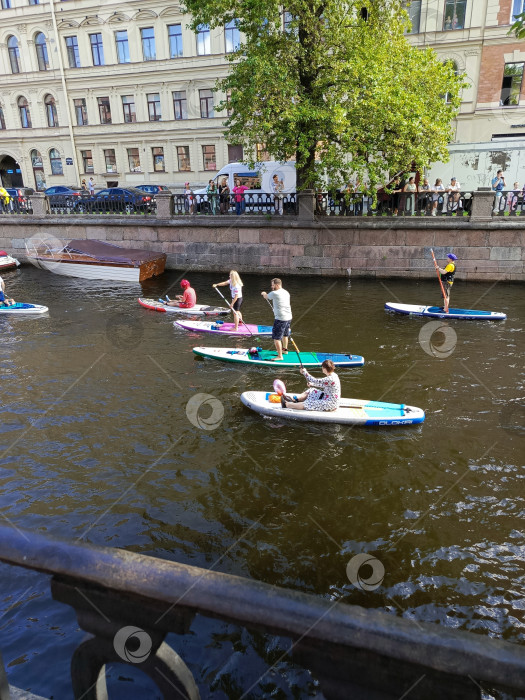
<point x="438" y="312"/>
<point x="222" y="328"/>
<point x="20" y="308"/>
<point x="264" y="357"/>
<point x="197" y="310"/>
<point x="350" y="411"/>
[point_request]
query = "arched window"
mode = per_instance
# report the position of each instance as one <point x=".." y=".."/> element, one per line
<point x="25" y="116"/>
<point x="56" y="162"/>
<point x="2" y="120"/>
<point x="51" y="110"/>
<point x="41" y="51"/>
<point x="14" y="54"/>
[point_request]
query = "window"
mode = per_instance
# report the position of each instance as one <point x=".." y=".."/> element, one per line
<point x="2" y="120"/>
<point x="134" y="160"/>
<point x="25" y="116"/>
<point x="261" y="153"/>
<point x="128" y="107"/>
<point x="87" y="160"/>
<point x="206" y="99"/>
<point x="81" y="111"/>
<point x="456" y="71"/>
<point x="229" y="108"/>
<point x="72" y="51"/>
<point x="518" y="7"/>
<point x="34" y="2"/>
<point x="414" y="12"/>
<point x="111" y="161"/>
<point x="148" y="44"/>
<point x="287" y="21"/>
<point x="154" y="113"/>
<point x="104" y="110"/>
<point x="175" y="40"/>
<point x="14" y="54"/>
<point x="121" y="40"/>
<point x="41" y="52"/>
<point x="454" y="14"/>
<point x="56" y="162"/>
<point x="179" y="105"/>
<point x="208" y="158"/>
<point x="6" y="4"/>
<point x="97" y="49"/>
<point x="203" y="40"/>
<point x="232" y="36"/>
<point x="158" y="159"/>
<point x="235" y="154"/>
<point x="51" y="110"/>
<point x="183" y="157"/>
<point x="511" y="86"/>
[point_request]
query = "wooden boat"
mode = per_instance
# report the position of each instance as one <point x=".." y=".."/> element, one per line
<point x="7" y="262"/>
<point x="97" y="260"/>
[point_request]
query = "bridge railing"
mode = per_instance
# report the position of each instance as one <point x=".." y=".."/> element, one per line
<point x="129" y="602"/>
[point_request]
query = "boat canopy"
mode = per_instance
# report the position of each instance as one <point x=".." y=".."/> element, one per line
<point x="108" y="252"/>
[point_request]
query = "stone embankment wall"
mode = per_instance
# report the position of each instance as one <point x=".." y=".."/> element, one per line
<point x="368" y="247"/>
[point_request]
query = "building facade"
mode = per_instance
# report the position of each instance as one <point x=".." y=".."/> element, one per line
<point x="124" y="92"/>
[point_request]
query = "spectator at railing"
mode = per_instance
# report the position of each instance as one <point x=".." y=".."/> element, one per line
<point x="411" y="188"/>
<point x="188" y="198"/>
<point x="437" y="189"/>
<point x="212" y="196"/>
<point x="239" y="191"/>
<point x="498" y="185"/>
<point x="396" y="189"/>
<point x="453" y="190"/>
<point x="224" y="196"/>
<point x="513" y="197"/>
<point x="424" y="195"/>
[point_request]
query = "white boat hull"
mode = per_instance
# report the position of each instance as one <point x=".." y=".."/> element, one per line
<point x="88" y="271"/>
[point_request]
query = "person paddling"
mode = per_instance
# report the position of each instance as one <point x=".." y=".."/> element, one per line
<point x="447" y="278"/>
<point x="4" y="301"/>
<point x="323" y="395"/>
<point x="236" y="285"/>
<point x="283" y="316"/>
<point x="183" y="301"/>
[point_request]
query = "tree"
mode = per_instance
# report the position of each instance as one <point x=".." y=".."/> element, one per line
<point x="518" y="28"/>
<point x="335" y="85"/>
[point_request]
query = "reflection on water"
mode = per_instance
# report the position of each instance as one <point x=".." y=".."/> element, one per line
<point x="96" y="444"/>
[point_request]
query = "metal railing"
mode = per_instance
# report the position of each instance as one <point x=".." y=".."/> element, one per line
<point x="94" y="204"/>
<point x="250" y="204"/>
<point x="129" y="602"/>
<point x="395" y="204"/>
<point x="17" y="205"/>
<point x="509" y="203"/>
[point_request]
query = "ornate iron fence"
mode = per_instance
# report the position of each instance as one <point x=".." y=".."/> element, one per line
<point x="129" y="602"/>
<point x="250" y="204"/>
<point x="511" y="203"/>
<point x="394" y="204"/>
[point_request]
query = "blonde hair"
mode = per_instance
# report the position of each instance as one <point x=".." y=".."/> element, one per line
<point x="235" y="278"/>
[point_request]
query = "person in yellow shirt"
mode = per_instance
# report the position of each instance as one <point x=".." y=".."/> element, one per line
<point x="447" y="278"/>
<point x="5" y="198"/>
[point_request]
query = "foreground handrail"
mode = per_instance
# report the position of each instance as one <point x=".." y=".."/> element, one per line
<point x="271" y="608"/>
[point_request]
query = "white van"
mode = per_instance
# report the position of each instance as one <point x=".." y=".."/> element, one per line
<point x="258" y="179"/>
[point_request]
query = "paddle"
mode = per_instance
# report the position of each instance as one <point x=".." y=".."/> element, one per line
<point x="231" y="307"/>
<point x="445" y="299"/>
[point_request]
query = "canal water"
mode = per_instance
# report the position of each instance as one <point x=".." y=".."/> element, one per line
<point x="98" y="444"/>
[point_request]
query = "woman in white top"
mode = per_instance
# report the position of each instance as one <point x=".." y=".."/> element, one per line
<point x="236" y="285"/>
<point x="438" y="188"/>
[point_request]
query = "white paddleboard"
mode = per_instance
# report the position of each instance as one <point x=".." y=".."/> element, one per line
<point x="438" y="312"/>
<point x="20" y="308"/>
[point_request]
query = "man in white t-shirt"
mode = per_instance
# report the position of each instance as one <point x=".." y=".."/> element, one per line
<point x="453" y="197"/>
<point x="282" y="311"/>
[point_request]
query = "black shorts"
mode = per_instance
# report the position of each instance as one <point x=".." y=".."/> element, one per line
<point x="280" y="329"/>
<point x="237" y="305"/>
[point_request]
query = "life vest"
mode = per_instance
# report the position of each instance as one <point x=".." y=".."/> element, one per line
<point x="449" y="276"/>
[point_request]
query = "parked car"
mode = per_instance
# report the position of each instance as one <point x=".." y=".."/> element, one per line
<point x="116" y="199"/>
<point x="20" y="201"/>
<point x="153" y="189"/>
<point x="62" y="197"/>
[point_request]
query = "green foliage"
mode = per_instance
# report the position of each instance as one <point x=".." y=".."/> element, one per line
<point x="341" y="94"/>
<point x="518" y="28"/>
